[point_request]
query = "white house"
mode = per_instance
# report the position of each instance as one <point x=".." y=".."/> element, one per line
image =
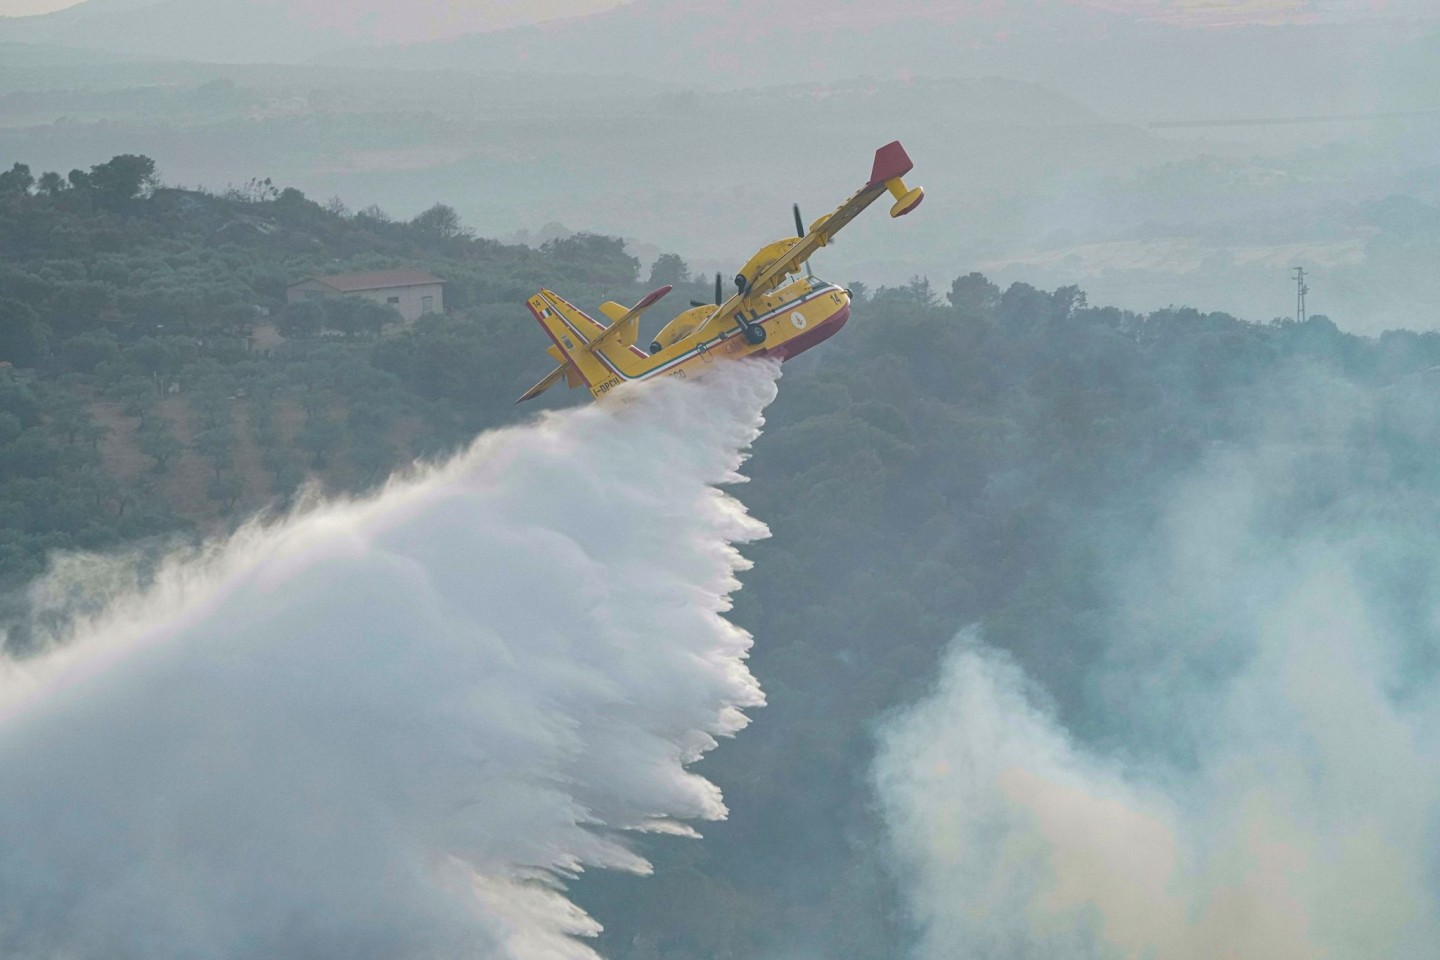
<point x="412" y="292"/>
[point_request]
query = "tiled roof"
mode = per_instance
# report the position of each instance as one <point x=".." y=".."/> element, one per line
<point x="379" y="279"/>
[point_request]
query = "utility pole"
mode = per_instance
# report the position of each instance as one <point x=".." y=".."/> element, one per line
<point x="1301" y="288"/>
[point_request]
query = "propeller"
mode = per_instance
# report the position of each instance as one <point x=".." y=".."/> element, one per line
<point x="719" y="295"/>
<point x="800" y="229"/>
<point x="754" y="333"/>
<point x="758" y="334"/>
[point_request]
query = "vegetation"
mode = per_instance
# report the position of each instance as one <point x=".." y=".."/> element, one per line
<point x="156" y="380"/>
<point x="947" y="461"/>
<point x="951" y="458"/>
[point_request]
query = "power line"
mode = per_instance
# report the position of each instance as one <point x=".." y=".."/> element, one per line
<point x="1301" y="288"/>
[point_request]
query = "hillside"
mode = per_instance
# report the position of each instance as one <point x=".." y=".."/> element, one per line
<point x="153" y="361"/>
<point x="1027" y="182"/>
<point x="961" y="454"/>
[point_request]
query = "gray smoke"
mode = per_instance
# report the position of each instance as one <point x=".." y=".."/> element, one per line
<point x="392" y="727"/>
<point x="1260" y="779"/>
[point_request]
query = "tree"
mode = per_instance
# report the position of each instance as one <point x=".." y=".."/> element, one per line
<point x="227" y="489"/>
<point x="669" y="268"/>
<point x="974" y="297"/>
<point x="79" y="305"/>
<point x="354" y="315"/>
<point x="92" y="433"/>
<point x="320" y="436"/>
<point x="372" y="455"/>
<point x="157" y="440"/>
<point x="1023" y="308"/>
<point x="217" y="443"/>
<point x="22" y="336"/>
<point x="159" y="357"/>
<point x="919" y="290"/>
<point x="296" y="201"/>
<point x="916" y="293"/>
<point x="68" y="415"/>
<point x="374" y="316"/>
<point x="592" y="258"/>
<point x="135" y="396"/>
<point x="1066" y="302"/>
<point x="10" y="427"/>
<point x="212" y="402"/>
<point x="124" y="177"/>
<point x="52" y="184"/>
<point x="88" y="350"/>
<point x="439" y="221"/>
<point x="342" y="314"/>
<point x="255" y="190"/>
<point x="262" y="419"/>
<point x="301" y="319"/>
<point x="16" y="180"/>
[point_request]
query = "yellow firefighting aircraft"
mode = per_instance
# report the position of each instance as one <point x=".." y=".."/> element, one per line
<point x="774" y="312"/>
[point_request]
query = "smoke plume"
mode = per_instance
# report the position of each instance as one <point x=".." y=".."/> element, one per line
<point x="392" y="727"/>
<point x="1258" y="777"/>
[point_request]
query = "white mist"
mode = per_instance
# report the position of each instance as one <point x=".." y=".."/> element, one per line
<point x="391" y="727"/>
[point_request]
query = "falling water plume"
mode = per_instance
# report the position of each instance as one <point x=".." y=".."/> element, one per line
<point x="392" y="727"/>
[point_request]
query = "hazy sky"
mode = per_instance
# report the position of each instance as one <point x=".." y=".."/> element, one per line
<point x="22" y="8"/>
<point x="1208" y="12"/>
<point x="535" y="10"/>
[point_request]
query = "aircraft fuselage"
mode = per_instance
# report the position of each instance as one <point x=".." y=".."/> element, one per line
<point x="795" y="317"/>
<point x="774" y="311"/>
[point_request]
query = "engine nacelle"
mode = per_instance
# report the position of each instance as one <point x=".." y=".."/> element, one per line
<point x="684" y="324"/>
<point x="762" y="260"/>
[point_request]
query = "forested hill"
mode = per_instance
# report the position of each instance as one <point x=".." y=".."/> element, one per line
<point x="956" y="455"/>
<point x="157" y="379"/>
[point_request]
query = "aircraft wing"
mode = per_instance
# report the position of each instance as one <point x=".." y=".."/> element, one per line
<point x="891" y="163"/>
<point x="630" y="317"/>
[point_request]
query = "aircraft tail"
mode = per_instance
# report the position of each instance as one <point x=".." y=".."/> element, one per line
<point x="572" y="333"/>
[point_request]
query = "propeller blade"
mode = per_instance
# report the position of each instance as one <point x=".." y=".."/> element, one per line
<point x="719" y="293"/>
<point x="800" y="230"/>
<point x="698" y="303"/>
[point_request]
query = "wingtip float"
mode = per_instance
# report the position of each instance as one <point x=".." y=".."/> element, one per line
<point x="776" y="310"/>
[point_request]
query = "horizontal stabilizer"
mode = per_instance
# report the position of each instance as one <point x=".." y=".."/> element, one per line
<point x="623" y="326"/>
<point x="552" y="378"/>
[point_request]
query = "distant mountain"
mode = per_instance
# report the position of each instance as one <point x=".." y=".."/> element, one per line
<point x="1122" y="58"/>
<point x="750" y="42"/>
<point x="249" y="31"/>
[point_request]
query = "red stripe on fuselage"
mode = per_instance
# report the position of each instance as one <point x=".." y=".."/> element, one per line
<point x="563" y="352"/>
